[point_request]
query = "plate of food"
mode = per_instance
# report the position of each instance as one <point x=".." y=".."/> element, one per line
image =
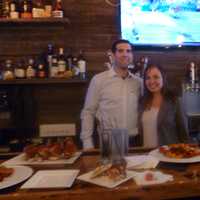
<point x="108" y="175"/>
<point x="177" y="153"/>
<point x="12" y="175"/>
<point x="47" y="154"/>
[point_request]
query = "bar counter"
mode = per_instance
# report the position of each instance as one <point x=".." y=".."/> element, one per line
<point x="180" y="187"/>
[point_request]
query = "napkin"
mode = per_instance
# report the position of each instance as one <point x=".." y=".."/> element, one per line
<point x="141" y="162"/>
<point x="157" y="177"/>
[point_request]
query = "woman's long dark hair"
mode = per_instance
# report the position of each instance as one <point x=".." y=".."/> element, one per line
<point x="147" y="97"/>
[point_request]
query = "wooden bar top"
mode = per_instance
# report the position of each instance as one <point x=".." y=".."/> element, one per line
<point x="180" y="187"/>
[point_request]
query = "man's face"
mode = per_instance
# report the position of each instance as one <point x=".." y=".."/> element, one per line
<point x="123" y="55"/>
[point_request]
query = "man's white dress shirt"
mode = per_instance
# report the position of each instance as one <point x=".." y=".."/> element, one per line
<point x="113" y="101"/>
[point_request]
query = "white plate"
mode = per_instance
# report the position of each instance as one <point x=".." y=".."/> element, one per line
<point x="155" y="153"/>
<point x="51" y="179"/>
<point x="20" y="174"/>
<point x="105" y="181"/>
<point x="20" y="160"/>
<point x="133" y="161"/>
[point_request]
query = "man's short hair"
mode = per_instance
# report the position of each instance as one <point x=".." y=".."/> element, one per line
<point x="120" y="41"/>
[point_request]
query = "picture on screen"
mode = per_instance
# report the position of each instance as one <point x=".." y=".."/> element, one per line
<point x="161" y="22"/>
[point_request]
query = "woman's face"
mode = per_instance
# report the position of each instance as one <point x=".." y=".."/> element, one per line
<point x="154" y="80"/>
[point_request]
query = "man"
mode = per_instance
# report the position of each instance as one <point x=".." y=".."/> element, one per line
<point x="112" y="96"/>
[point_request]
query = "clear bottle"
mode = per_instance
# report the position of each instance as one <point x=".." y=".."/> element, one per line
<point x="81" y="63"/>
<point x="30" y="70"/>
<point x="62" y="64"/>
<point x="58" y="10"/>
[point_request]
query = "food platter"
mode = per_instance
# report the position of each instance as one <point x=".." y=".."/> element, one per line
<point x="105" y="181"/>
<point x="21" y="160"/>
<point x="20" y="174"/>
<point x="161" y="157"/>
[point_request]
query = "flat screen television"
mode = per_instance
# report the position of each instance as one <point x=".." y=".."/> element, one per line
<point x="161" y="23"/>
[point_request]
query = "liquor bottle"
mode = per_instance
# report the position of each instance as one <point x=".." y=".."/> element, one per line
<point x="144" y="63"/>
<point x="26" y="9"/>
<point x="41" y="73"/>
<point x="30" y="70"/>
<point x="6" y="9"/>
<point x="19" y="70"/>
<point x="49" y="57"/>
<point x="110" y="58"/>
<point x="58" y="11"/>
<point x="62" y="64"/>
<point x="53" y="70"/>
<point x="4" y="104"/>
<point x="136" y="70"/>
<point x="70" y="60"/>
<point x="197" y="73"/>
<point x="131" y="68"/>
<point x="8" y="71"/>
<point x="48" y="8"/>
<point x="1" y="8"/>
<point x="192" y="72"/>
<point x="75" y="68"/>
<point x="81" y="62"/>
<point x="14" y="10"/>
<point x="38" y="10"/>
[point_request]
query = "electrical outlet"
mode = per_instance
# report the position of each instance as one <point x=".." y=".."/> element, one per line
<point x="54" y="130"/>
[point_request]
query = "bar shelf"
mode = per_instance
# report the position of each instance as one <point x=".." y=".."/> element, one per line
<point x="49" y="20"/>
<point x="43" y="81"/>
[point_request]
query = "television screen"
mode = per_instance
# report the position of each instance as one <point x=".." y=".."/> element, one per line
<point x="161" y="22"/>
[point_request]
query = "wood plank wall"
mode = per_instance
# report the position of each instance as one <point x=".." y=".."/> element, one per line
<point x="94" y="25"/>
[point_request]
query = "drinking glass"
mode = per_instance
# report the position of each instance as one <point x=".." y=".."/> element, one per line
<point x="119" y="144"/>
<point x="105" y="141"/>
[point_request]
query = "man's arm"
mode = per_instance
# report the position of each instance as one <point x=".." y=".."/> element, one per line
<point x="88" y="114"/>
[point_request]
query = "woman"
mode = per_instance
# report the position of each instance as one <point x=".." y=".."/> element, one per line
<point x="161" y="118"/>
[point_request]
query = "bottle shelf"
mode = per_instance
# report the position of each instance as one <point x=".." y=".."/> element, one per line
<point x="35" y="21"/>
<point x="42" y="81"/>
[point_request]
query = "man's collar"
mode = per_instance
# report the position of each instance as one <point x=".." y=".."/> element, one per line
<point x="113" y="73"/>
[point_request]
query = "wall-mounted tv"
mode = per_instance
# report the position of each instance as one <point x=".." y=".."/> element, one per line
<point x="161" y="22"/>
